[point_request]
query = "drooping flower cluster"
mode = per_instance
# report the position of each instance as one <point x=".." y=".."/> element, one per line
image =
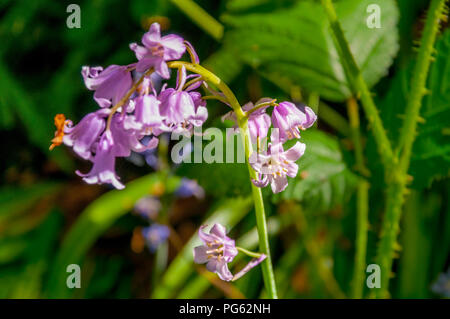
<point x="218" y="250"/>
<point x="132" y="114"/>
<point x="274" y="164"/>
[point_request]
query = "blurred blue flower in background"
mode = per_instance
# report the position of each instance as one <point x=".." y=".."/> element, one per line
<point x="148" y="207"/>
<point x="155" y="235"/>
<point x="442" y="285"/>
<point x="189" y="188"/>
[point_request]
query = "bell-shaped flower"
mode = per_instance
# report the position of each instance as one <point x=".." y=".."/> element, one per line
<point x="157" y="50"/>
<point x="155" y="235"/>
<point x="127" y="140"/>
<point x="289" y="119"/>
<point x="273" y="166"/>
<point x="182" y="109"/>
<point x="258" y="121"/>
<point x="110" y="85"/>
<point x="217" y="251"/>
<point x="82" y="136"/>
<point x="103" y="170"/>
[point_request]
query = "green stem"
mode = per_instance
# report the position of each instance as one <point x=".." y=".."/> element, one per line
<point x="202" y="18"/>
<point x="248" y="252"/>
<point x="362" y="209"/>
<point x="362" y="203"/>
<point x="266" y="265"/>
<point x="398" y="173"/>
<point x="334" y="119"/>
<point x="359" y="85"/>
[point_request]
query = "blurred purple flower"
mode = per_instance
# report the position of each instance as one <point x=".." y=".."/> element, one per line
<point x="148" y="207"/>
<point x="190" y="188"/>
<point x="218" y="250"/>
<point x="155" y="235"/>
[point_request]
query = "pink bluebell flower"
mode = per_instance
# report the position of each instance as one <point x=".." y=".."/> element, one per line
<point x="258" y="121"/>
<point x="181" y="113"/>
<point x="127" y="140"/>
<point x="289" y="119"/>
<point x="217" y="251"/>
<point x="273" y="166"/>
<point x="110" y="85"/>
<point x="82" y="136"/>
<point x="103" y="170"/>
<point x="157" y="50"/>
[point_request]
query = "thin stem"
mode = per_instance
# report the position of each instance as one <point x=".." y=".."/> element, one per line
<point x="353" y="115"/>
<point x="333" y="119"/>
<point x="356" y="80"/>
<point x="362" y="209"/>
<point x="267" y="270"/>
<point x="398" y="173"/>
<point x="362" y="203"/>
<point x="260" y="106"/>
<point x="202" y="18"/>
<point x="248" y="252"/>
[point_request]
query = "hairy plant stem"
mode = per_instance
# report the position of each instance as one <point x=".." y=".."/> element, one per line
<point x="266" y="265"/>
<point x="399" y="172"/>
<point x="362" y="203"/>
<point x="356" y="80"/>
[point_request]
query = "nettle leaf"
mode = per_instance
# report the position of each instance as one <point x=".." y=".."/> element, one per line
<point x="308" y="56"/>
<point x="430" y="159"/>
<point x="324" y="181"/>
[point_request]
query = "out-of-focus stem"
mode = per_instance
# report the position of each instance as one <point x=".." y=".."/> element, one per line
<point x="362" y="203"/>
<point x="359" y="85"/>
<point x="202" y="18"/>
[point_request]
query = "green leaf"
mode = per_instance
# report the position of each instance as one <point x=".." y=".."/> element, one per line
<point x="308" y="56"/>
<point x="327" y="180"/>
<point x="15" y="200"/>
<point x="228" y="212"/>
<point x="92" y="223"/>
<point x="218" y="179"/>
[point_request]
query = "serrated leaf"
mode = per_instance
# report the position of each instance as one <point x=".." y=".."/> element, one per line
<point x="326" y="180"/>
<point x="296" y="43"/>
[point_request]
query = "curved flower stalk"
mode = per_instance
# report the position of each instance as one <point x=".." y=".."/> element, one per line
<point x="133" y="115"/>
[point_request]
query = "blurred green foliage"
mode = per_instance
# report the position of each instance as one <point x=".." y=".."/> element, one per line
<point x="283" y="49"/>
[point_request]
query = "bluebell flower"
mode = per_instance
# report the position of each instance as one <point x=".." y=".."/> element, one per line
<point x="148" y="207"/>
<point x="155" y="235"/>
<point x="190" y="188"/>
<point x="442" y="285"/>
